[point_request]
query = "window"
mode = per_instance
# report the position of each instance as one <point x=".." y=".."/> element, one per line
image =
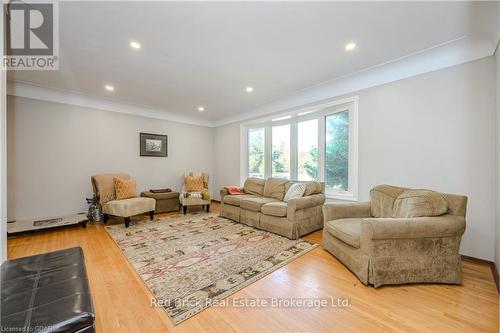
<point x="318" y="143"/>
<point x="281" y="152"/>
<point x="256" y="152"/>
<point x="337" y="151"/>
<point x="307" y="150"/>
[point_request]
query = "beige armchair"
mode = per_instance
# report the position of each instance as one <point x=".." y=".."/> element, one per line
<point x="199" y="197"/>
<point x="384" y="242"/>
<point x="103" y="187"/>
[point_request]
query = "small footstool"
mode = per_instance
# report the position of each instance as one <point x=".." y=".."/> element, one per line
<point x="165" y="202"/>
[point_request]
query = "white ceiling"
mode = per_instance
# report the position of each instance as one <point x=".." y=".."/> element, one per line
<point x="203" y="53"/>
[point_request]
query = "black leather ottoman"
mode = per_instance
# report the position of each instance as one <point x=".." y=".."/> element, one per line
<point x="46" y="293"/>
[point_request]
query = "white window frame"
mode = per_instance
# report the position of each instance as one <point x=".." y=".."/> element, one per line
<point x="317" y="111"/>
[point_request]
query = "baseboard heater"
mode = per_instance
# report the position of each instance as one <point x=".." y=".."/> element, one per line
<point x="45" y="223"/>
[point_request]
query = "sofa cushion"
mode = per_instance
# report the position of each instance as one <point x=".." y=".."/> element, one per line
<point x="275" y="188"/>
<point x="129" y="207"/>
<point x="234" y="200"/>
<point x="347" y="230"/>
<point x="313" y="187"/>
<point x="420" y="203"/>
<point x="254" y="186"/>
<point x="274" y="209"/>
<point x="382" y="200"/>
<point x="254" y="204"/>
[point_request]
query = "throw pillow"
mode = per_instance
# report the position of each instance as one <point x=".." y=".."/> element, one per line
<point x="194" y="184"/>
<point x="254" y="186"/>
<point x="295" y="191"/>
<point x="275" y="188"/>
<point x="382" y="199"/>
<point x="420" y="203"/>
<point x="313" y="187"/>
<point x="124" y="188"/>
<point x="233" y="190"/>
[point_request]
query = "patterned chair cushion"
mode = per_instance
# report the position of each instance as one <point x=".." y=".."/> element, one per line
<point x="124" y="188"/>
<point x="194" y="184"/>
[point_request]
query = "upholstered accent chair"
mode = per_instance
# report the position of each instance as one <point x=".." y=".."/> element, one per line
<point x="198" y="197"/>
<point x="104" y="188"/>
<point x="400" y="236"/>
<point x="262" y="206"/>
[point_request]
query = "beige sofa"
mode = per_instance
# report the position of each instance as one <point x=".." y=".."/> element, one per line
<point x="262" y="206"/>
<point x="400" y="236"/>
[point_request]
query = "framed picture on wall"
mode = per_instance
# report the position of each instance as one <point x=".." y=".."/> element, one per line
<point x="153" y="145"/>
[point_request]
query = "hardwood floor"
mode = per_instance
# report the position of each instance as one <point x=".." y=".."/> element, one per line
<point x="123" y="303"/>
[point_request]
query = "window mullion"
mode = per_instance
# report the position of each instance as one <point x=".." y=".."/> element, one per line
<point x="321" y="148"/>
<point x="293" y="150"/>
<point x="268" y="151"/>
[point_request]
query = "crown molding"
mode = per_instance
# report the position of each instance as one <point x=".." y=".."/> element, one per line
<point x="454" y="52"/>
<point x="26" y="90"/>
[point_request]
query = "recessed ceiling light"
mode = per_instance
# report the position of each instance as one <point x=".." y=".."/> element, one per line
<point x="350" y="46"/>
<point x="109" y="87"/>
<point x="201" y="108"/>
<point x="135" y="45"/>
<point x="249" y="89"/>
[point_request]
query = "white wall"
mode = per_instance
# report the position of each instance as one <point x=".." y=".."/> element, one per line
<point x="497" y="171"/>
<point x="54" y="149"/>
<point x="226" y="166"/>
<point x="3" y="150"/>
<point x="435" y="130"/>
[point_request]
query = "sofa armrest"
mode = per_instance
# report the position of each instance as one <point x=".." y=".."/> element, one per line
<point x="413" y="228"/>
<point x="223" y="193"/>
<point x="335" y="211"/>
<point x="305" y="202"/>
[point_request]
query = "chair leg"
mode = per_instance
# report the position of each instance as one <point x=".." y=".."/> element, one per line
<point x="151" y="215"/>
<point x="127" y="221"/>
<point x="105" y="218"/>
<point x="184" y="208"/>
<point x="208" y="208"/>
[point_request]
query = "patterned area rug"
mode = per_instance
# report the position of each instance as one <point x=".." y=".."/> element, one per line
<point x="192" y="261"/>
